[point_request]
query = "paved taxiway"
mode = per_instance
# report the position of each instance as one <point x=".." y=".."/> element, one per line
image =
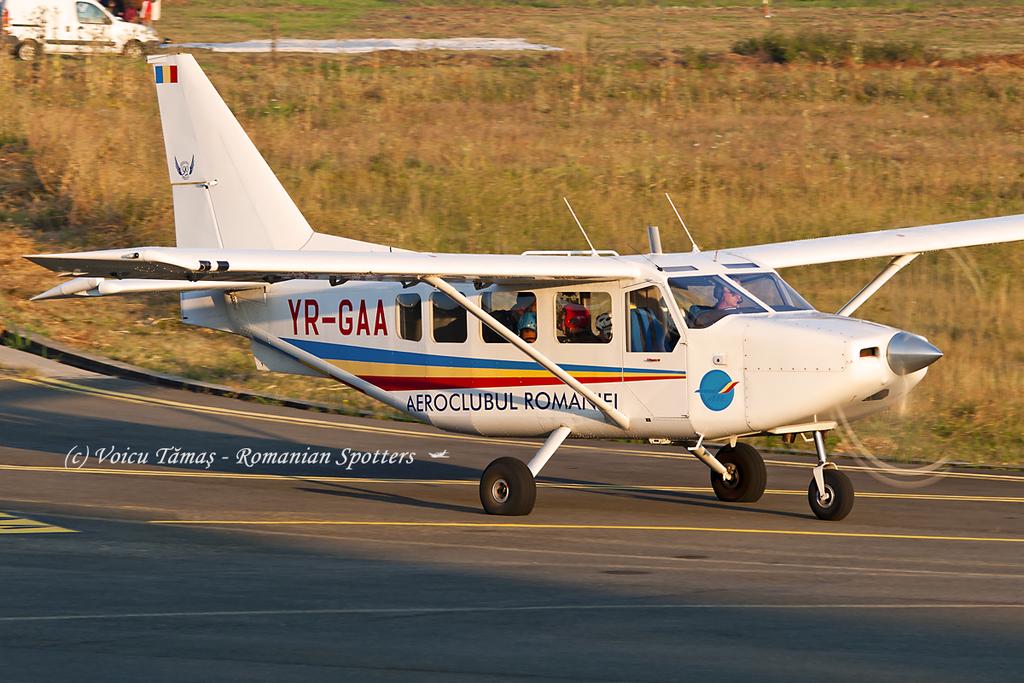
<point x="628" y="569"/>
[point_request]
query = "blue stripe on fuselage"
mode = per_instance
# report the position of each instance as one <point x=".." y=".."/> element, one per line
<point x="329" y="351"/>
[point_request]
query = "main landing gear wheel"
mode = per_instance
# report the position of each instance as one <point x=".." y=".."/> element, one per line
<point x="837" y="500"/>
<point x="507" y="487"/>
<point x="749" y="475"/>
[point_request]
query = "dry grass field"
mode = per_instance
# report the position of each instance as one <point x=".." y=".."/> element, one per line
<point x="474" y="152"/>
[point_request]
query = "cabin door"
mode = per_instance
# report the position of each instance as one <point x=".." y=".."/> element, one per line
<point x="654" y="359"/>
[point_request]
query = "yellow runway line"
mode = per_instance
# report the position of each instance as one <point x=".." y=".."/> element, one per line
<point x="9" y="524"/>
<point x="649" y="488"/>
<point x="577" y="527"/>
<point x="71" y="387"/>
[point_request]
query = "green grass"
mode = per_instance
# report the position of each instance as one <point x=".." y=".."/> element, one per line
<point x="950" y="26"/>
<point x="235" y="20"/>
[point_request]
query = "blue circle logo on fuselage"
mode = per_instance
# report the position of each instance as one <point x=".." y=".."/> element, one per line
<point x="717" y="390"/>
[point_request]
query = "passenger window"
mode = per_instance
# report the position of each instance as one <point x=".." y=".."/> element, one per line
<point x="651" y="328"/>
<point x="449" y="319"/>
<point x="410" y="316"/>
<point x="583" y="317"/>
<point x="515" y="310"/>
<point x="89" y="13"/>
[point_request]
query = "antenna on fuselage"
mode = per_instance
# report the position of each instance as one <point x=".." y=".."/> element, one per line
<point x="592" y="250"/>
<point x="696" y="249"/>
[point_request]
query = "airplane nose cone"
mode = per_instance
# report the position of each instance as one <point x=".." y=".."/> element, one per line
<point x="909" y="353"/>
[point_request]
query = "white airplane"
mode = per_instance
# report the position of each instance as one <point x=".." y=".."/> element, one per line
<point x="684" y="347"/>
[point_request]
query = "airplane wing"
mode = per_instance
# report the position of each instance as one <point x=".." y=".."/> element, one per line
<point x="884" y="242"/>
<point x="266" y="265"/>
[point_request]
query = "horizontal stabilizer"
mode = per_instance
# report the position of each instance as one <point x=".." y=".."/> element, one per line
<point x="98" y="286"/>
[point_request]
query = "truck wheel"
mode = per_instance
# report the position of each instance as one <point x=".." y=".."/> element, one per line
<point x="133" y="49"/>
<point x="27" y="50"/>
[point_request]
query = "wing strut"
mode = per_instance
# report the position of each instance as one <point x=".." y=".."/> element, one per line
<point x="895" y="266"/>
<point x="311" y="361"/>
<point x="609" y="411"/>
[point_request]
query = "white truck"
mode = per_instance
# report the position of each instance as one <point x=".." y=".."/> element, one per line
<point x="32" y="27"/>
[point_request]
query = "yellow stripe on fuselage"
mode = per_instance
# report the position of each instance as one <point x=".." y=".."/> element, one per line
<point x="394" y="370"/>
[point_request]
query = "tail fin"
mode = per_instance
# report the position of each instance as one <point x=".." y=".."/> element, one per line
<point x="225" y="194"/>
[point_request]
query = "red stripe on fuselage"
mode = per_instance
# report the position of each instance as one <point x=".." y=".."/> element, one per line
<point x="436" y="383"/>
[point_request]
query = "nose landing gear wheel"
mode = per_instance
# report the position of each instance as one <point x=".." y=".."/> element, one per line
<point x="838" y="499"/>
<point x="507" y="487"/>
<point x="749" y="476"/>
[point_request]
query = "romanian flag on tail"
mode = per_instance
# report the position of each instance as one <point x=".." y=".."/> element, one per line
<point x="166" y="74"/>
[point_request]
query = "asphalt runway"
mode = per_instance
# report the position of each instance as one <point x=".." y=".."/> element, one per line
<point x="628" y="570"/>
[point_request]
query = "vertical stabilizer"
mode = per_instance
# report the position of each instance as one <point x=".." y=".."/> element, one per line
<point x="225" y="194"/>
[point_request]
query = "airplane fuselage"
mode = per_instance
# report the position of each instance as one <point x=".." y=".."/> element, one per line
<point x="745" y="373"/>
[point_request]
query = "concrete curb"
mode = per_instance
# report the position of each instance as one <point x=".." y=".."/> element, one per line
<point x="62" y="353"/>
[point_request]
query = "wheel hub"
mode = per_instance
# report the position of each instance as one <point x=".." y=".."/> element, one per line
<point x="734" y="476"/>
<point x="826" y="498"/>
<point x="500" y="491"/>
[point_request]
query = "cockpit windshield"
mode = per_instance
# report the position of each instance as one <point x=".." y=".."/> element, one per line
<point x="706" y="299"/>
<point x="772" y="290"/>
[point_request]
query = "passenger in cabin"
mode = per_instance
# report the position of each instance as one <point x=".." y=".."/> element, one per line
<point x="575" y="314"/>
<point x="575" y="324"/>
<point x="526" y="310"/>
<point x="508" y="319"/>
<point x="509" y="309"/>
<point x="604" y="327"/>
<point x="527" y="327"/>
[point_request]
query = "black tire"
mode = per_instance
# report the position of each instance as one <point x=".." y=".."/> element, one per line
<point x="749" y="474"/>
<point x="133" y="49"/>
<point x="507" y="487"/>
<point x="27" y="51"/>
<point x="839" y="493"/>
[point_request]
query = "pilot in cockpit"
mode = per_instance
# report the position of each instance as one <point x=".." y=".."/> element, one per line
<point x="727" y="301"/>
<point x="727" y="298"/>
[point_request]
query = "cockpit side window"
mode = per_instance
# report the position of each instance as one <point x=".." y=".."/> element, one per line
<point x="650" y="324"/>
<point x="773" y="290"/>
<point x="706" y="299"/>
